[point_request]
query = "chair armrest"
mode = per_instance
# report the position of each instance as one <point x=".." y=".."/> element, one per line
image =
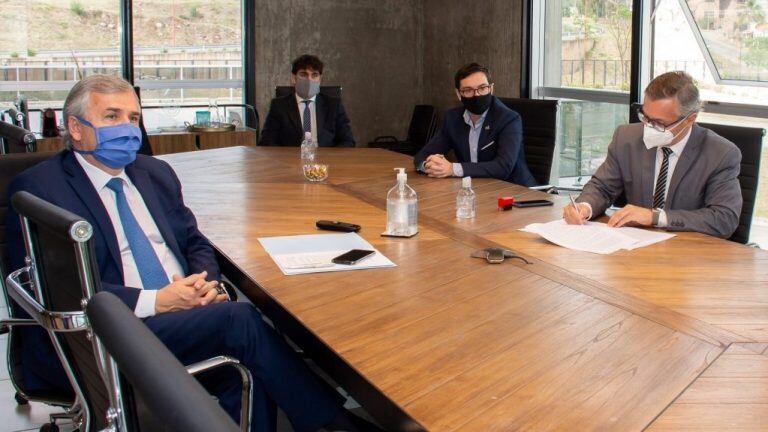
<point x="246" y="395"/>
<point x="544" y="188"/>
<point x="384" y="141"/>
<point x="55" y="321"/>
<point x="7" y="323"/>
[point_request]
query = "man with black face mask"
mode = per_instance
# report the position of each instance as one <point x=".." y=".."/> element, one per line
<point x="307" y="110"/>
<point x="485" y="135"/>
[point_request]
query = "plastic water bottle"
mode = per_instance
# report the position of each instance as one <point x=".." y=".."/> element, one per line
<point x="308" y="150"/>
<point x="465" y="200"/>
<point x="402" y="208"/>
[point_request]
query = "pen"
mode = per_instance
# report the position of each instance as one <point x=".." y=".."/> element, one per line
<point x="573" y="202"/>
<point x="309" y="266"/>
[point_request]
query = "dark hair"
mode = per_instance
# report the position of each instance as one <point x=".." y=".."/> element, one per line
<point x="468" y="70"/>
<point x="307" y="61"/>
<point x="677" y="84"/>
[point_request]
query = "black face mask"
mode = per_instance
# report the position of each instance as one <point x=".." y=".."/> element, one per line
<point x="478" y="104"/>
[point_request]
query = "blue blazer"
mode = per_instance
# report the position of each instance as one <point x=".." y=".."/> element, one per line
<point x="500" y="147"/>
<point x="62" y="181"/>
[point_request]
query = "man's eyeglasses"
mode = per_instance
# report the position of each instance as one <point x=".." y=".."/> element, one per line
<point x="656" y="124"/>
<point x="469" y="92"/>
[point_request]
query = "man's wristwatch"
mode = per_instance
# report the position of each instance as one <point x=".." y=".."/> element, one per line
<point x="655" y="217"/>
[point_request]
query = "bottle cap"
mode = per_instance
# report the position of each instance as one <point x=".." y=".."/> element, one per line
<point x="401" y="175"/>
<point x="466" y="182"/>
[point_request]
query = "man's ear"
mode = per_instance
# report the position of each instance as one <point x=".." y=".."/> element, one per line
<point x="458" y="95"/>
<point x="74" y="128"/>
<point x="293" y="79"/>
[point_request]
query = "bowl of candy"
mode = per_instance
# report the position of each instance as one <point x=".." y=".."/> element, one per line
<point x="315" y="172"/>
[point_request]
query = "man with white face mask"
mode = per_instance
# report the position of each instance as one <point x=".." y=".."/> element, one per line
<point x="307" y="110"/>
<point x="674" y="174"/>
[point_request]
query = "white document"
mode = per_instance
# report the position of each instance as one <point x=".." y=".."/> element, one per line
<point x="313" y="253"/>
<point x="595" y="237"/>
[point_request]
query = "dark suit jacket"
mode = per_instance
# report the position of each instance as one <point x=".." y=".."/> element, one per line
<point x="62" y="181"/>
<point x="499" y="150"/>
<point x="704" y="193"/>
<point x="283" y="124"/>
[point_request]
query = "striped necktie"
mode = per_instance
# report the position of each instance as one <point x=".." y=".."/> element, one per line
<point x="307" y="120"/>
<point x="661" y="181"/>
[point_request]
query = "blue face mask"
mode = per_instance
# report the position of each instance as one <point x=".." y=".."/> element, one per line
<point x="116" y="146"/>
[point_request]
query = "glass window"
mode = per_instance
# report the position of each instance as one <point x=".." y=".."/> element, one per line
<point x="585" y="62"/>
<point x="732" y="37"/>
<point x="187" y="54"/>
<point x="46" y="45"/>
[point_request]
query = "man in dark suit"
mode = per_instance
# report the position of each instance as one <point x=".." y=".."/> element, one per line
<point x="485" y="136"/>
<point x="674" y="174"/>
<point x="151" y="254"/>
<point x="307" y="110"/>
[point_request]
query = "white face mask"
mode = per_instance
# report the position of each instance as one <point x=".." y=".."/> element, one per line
<point x="653" y="138"/>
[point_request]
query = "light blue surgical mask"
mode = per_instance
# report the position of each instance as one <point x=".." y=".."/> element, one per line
<point x="116" y="145"/>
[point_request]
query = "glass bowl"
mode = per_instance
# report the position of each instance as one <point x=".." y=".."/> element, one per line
<point x="315" y="172"/>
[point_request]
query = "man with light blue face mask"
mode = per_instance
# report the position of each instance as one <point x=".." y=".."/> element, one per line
<point x="151" y="254"/>
<point x="307" y="110"/>
<point x="673" y="173"/>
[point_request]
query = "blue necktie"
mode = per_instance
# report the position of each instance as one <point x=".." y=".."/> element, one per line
<point x="151" y="271"/>
<point x="307" y="120"/>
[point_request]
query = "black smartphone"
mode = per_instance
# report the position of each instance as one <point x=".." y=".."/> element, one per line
<point x="353" y="257"/>
<point x="533" y="203"/>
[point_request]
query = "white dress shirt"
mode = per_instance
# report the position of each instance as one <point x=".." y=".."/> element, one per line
<point x="313" y="119"/>
<point x="145" y="306"/>
<point x="474" y="138"/>
<point x="677" y="150"/>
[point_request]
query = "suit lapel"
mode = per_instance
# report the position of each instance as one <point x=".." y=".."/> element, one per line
<point x="293" y="113"/>
<point x="648" y="171"/>
<point x="143" y="183"/>
<point x="320" y="111"/>
<point x="685" y="160"/>
<point x="83" y="187"/>
<point x="485" y="131"/>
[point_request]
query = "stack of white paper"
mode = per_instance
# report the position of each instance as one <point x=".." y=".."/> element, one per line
<point x="595" y="237"/>
<point x="313" y="253"/>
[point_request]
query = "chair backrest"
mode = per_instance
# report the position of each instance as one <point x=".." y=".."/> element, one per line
<point x="750" y="141"/>
<point x="146" y="146"/>
<point x="334" y="91"/>
<point x="64" y="273"/>
<point x="14" y="139"/>
<point x="175" y="399"/>
<point x="10" y="166"/>
<point x="540" y="121"/>
<point x="423" y="125"/>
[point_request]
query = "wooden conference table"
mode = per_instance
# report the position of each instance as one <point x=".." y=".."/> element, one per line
<point x="673" y="336"/>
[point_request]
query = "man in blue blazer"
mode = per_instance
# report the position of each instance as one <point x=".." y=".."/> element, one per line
<point x="307" y="110"/>
<point x="151" y="254"/>
<point x="485" y="136"/>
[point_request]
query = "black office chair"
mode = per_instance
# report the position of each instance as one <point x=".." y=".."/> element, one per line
<point x="150" y="373"/>
<point x="146" y="146"/>
<point x="333" y="91"/>
<point x="750" y="141"/>
<point x="10" y="166"/>
<point x="62" y="275"/>
<point x="540" y="121"/>
<point x="14" y="139"/>
<point x="422" y="127"/>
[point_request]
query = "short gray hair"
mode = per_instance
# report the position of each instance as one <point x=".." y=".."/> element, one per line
<point x="676" y="84"/>
<point x="78" y="98"/>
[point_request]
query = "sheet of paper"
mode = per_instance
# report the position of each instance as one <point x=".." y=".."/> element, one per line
<point x="595" y="237"/>
<point x="313" y="253"/>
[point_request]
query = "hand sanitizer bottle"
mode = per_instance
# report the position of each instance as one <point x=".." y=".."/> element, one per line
<point x="401" y="208"/>
<point x="465" y="200"/>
